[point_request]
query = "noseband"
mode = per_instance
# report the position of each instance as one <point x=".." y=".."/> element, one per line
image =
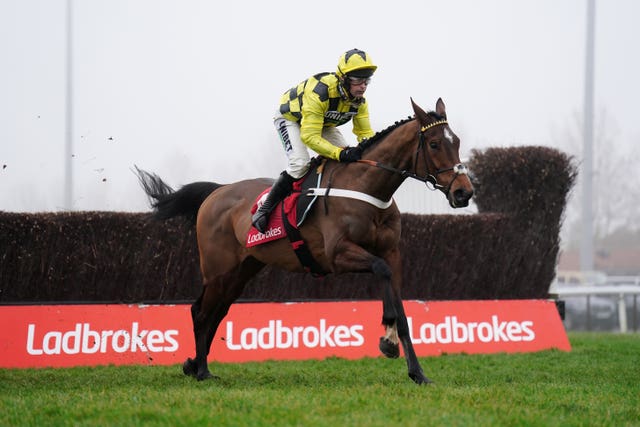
<point x="430" y="180"/>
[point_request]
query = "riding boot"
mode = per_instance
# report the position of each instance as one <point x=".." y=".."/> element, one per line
<point x="281" y="188"/>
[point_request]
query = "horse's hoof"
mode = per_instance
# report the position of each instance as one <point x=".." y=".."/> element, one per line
<point x="189" y="367"/>
<point x="419" y="378"/>
<point x="389" y="349"/>
<point x="206" y="375"/>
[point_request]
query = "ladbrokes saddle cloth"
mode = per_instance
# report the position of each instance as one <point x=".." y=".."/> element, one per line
<point x="294" y="207"/>
<point x="287" y="216"/>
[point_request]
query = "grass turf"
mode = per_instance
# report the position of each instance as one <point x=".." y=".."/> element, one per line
<point x="595" y="384"/>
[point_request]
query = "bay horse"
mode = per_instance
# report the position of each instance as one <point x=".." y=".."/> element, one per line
<point x="344" y="235"/>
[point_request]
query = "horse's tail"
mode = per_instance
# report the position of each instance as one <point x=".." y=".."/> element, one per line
<point x="168" y="203"/>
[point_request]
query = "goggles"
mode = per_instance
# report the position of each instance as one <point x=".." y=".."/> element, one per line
<point x="357" y="81"/>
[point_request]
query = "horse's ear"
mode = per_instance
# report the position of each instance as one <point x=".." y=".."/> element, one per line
<point x="440" y="109"/>
<point x="420" y="114"/>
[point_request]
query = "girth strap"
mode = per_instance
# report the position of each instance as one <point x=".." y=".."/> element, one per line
<point x="301" y="249"/>
<point x="349" y="194"/>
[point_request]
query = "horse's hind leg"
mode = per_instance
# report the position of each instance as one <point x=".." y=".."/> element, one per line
<point x="209" y="310"/>
<point x="206" y="313"/>
<point x="202" y="318"/>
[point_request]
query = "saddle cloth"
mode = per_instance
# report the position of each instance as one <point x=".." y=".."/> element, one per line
<point x="295" y="208"/>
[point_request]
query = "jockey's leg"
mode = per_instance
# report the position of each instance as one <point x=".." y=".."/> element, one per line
<point x="281" y="188"/>
<point x="334" y="136"/>
<point x="297" y="166"/>
<point x="295" y="150"/>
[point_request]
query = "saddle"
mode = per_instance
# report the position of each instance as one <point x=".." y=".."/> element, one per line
<point x="289" y="214"/>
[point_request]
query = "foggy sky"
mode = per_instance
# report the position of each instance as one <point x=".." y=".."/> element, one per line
<point x="187" y="89"/>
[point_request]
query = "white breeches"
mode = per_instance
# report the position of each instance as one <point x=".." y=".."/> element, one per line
<point x="298" y="153"/>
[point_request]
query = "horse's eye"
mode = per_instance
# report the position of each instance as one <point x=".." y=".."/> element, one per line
<point x="434" y="145"/>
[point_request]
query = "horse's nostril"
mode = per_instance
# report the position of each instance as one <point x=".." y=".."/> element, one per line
<point x="462" y="195"/>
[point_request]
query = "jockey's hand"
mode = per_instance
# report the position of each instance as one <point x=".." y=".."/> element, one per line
<point x="350" y="154"/>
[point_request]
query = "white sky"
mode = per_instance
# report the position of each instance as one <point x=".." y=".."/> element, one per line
<point x="187" y="89"/>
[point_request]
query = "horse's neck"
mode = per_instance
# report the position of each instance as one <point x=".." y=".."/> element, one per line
<point x="396" y="150"/>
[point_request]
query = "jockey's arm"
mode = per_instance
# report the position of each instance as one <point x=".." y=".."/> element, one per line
<point x="311" y="127"/>
<point x="361" y="125"/>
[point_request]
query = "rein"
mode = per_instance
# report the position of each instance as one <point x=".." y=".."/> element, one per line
<point x="458" y="169"/>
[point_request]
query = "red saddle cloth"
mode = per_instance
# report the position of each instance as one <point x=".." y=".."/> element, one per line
<point x="275" y="228"/>
<point x="295" y="207"/>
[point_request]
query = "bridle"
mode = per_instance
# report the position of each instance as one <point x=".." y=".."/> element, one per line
<point x="430" y="180"/>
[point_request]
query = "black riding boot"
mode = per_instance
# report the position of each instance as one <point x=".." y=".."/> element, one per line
<point x="281" y="188"/>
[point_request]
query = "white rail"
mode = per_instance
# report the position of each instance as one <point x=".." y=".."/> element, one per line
<point x="620" y="291"/>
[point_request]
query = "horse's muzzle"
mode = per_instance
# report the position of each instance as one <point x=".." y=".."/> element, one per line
<point x="460" y="198"/>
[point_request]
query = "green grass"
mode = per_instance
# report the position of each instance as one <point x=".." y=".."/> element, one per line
<point x="598" y="383"/>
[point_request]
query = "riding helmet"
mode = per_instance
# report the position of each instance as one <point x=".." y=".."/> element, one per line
<point x="356" y="63"/>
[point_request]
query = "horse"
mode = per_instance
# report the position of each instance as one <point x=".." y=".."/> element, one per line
<point x="346" y="234"/>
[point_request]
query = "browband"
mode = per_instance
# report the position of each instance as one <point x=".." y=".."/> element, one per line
<point x="439" y="122"/>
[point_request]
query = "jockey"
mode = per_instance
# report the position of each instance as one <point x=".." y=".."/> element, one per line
<point x="308" y="116"/>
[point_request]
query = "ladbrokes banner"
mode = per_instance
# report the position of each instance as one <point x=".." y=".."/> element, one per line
<point x="72" y="335"/>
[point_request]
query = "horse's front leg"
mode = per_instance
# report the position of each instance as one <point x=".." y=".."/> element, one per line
<point x="393" y="308"/>
<point x="351" y="257"/>
<point x="390" y="343"/>
<point x="413" y="365"/>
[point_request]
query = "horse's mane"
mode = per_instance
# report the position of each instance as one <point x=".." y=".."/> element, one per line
<point x="384" y="132"/>
<point x="380" y="135"/>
